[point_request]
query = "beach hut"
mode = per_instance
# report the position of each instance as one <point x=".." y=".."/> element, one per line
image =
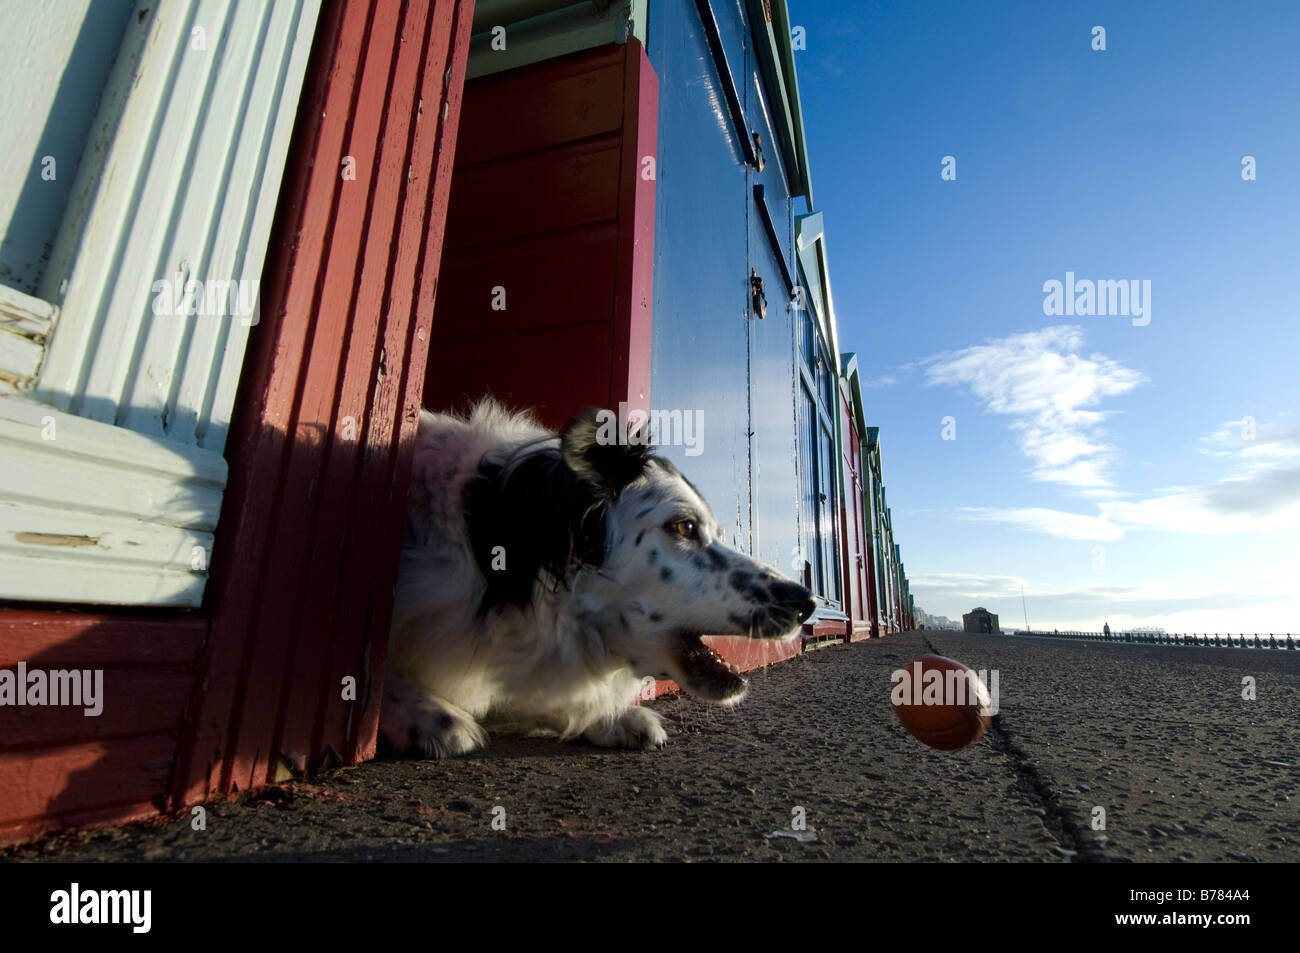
<point x="213" y="329"/>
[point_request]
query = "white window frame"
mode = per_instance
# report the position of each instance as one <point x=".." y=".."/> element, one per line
<point x="113" y="419"/>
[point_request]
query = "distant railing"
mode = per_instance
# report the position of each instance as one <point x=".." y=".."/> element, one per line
<point x="1225" y="640"/>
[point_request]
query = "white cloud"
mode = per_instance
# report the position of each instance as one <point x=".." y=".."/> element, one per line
<point x="1251" y="445"/>
<point x="1042" y="520"/>
<point x="1102" y="493"/>
<point x="1042" y="381"/>
<point x="1261" y="495"/>
<point x="890" y="378"/>
<point x="965" y="584"/>
<point x="1265" y="501"/>
<point x="1261" y="502"/>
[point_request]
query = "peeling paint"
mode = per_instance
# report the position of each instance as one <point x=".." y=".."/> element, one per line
<point x="56" y="539"/>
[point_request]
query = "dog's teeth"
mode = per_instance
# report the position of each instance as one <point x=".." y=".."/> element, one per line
<point x="733" y="669"/>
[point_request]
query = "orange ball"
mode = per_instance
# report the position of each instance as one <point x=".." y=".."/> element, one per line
<point x="941" y="702"/>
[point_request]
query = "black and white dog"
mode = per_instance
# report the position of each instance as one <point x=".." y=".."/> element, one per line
<point x="543" y="576"/>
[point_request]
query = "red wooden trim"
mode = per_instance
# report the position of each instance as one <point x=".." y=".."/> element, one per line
<point x="827" y="628"/>
<point x="59" y="766"/>
<point x="132" y="701"/>
<point x="747" y="654"/>
<point x="306" y="549"/>
<point x="630" y="367"/>
<point x="83" y="782"/>
<point x="850" y="571"/>
<point x="264" y="407"/>
<point x="60" y="639"/>
<point x="364" y="273"/>
<point x="364" y="617"/>
<point x="286" y="581"/>
<point x="861" y="632"/>
<point x="368" y="324"/>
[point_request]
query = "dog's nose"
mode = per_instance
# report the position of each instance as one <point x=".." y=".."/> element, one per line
<point x="796" y="597"/>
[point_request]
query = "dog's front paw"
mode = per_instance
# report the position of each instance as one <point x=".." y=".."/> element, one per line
<point x="634" y="728"/>
<point x="414" y="721"/>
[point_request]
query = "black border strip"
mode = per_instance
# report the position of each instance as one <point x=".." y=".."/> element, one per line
<point x="726" y="79"/>
<point x="769" y="226"/>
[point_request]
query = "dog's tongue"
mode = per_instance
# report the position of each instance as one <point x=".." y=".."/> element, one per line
<point x="708" y="675"/>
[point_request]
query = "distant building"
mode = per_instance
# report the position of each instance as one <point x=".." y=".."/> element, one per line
<point x="980" y="619"/>
<point x="926" y="620"/>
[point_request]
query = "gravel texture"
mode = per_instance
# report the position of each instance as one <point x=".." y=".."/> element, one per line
<point x="1158" y="736"/>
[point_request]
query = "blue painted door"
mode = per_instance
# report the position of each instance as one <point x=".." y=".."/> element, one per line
<point x="772" y="383"/>
<point x="716" y="235"/>
<point x="700" y="352"/>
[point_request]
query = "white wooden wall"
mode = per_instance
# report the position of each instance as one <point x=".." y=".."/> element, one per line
<point x="113" y="454"/>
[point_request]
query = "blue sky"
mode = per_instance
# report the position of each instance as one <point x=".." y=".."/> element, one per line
<point x="1109" y="467"/>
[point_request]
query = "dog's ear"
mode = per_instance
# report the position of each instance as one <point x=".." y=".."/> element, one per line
<point x="596" y="452"/>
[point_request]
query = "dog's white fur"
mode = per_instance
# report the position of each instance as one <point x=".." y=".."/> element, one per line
<point x="572" y="659"/>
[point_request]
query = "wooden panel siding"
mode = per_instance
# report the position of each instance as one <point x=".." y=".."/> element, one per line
<point x="320" y="453"/>
<point x="92" y="513"/>
<point x="86" y="783"/>
<point x="549" y="206"/>
<point x="581" y="262"/>
<point x="60" y="767"/>
<point x="184" y="192"/>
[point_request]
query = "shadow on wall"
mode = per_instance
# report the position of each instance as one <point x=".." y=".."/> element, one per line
<point x="67" y="138"/>
<point x="67" y="765"/>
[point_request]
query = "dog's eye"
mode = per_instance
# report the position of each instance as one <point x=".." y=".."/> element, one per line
<point x="683" y="528"/>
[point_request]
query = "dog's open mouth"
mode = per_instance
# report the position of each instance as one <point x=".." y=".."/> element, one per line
<point x="705" y="674"/>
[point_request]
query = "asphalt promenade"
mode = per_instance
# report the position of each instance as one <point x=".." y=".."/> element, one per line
<point x="1099" y="752"/>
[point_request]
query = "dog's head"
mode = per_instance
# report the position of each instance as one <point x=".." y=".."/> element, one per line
<point x="643" y="555"/>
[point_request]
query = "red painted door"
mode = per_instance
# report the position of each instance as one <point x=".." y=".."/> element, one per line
<point x="546" y="291"/>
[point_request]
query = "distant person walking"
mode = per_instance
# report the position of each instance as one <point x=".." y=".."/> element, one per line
<point x="1105" y="630"/>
